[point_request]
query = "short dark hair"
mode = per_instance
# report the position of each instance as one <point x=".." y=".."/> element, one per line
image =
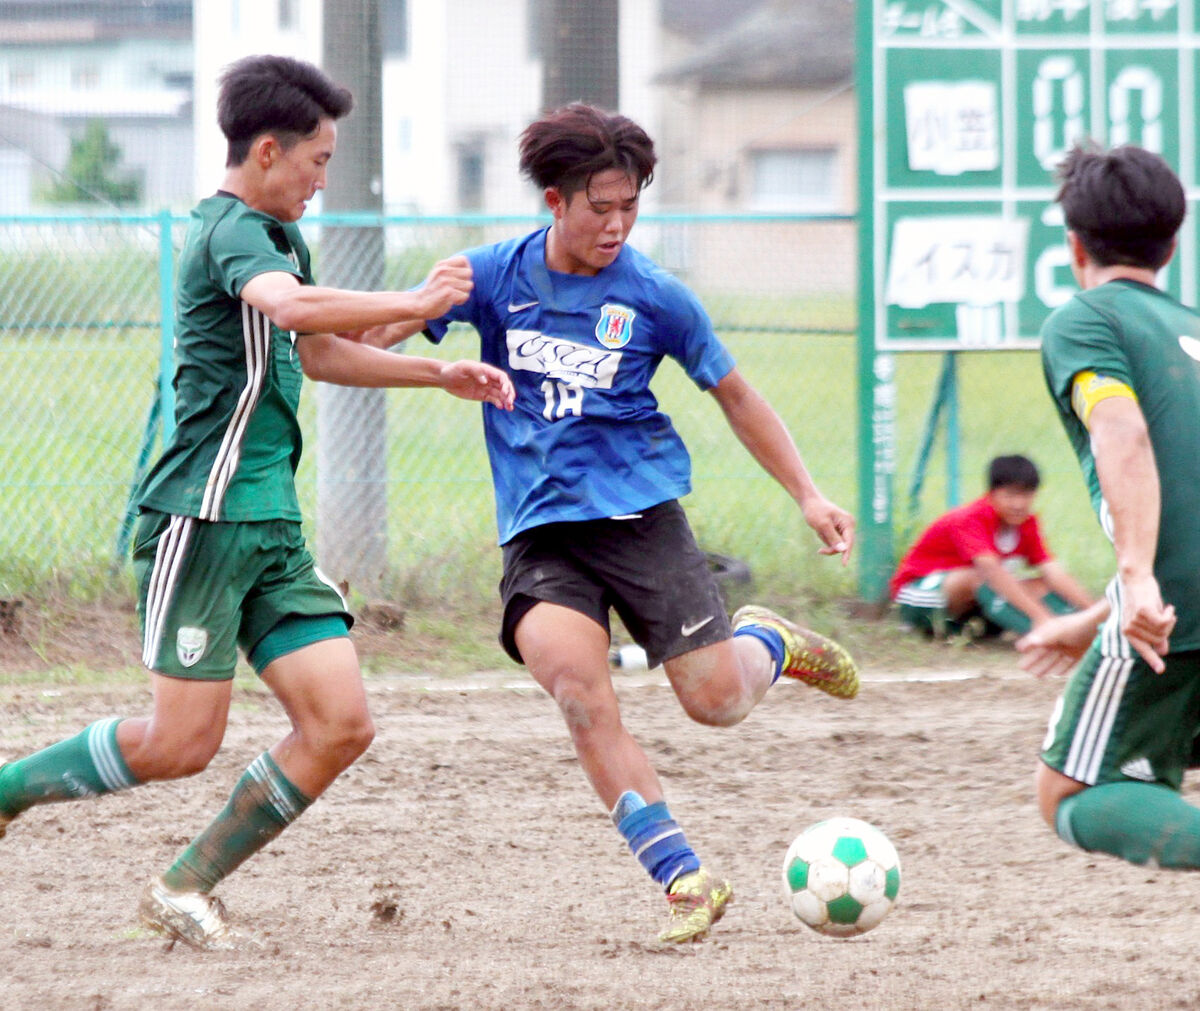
<point x="277" y="95"/>
<point x="1125" y="204"/>
<point x="1013" y="472"/>
<point x="568" y="146"/>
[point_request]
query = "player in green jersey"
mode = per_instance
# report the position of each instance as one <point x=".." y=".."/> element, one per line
<point x="219" y="556"/>
<point x="1122" y="361"/>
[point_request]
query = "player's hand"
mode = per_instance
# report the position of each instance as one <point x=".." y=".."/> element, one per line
<point x="478" y="381"/>
<point x="448" y="284"/>
<point x="1146" y="621"/>
<point x="1055" y="645"/>
<point x="832" y="524"/>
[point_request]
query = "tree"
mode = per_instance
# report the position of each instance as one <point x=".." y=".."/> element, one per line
<point x="91" y="175"/>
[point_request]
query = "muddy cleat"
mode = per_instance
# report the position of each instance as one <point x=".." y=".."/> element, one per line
<point x="808" y="656"/>
<point x="195" y="918"/>
<point x="697" y="901"/>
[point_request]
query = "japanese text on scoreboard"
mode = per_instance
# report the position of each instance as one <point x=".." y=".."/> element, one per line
<point x="974" y="104"/>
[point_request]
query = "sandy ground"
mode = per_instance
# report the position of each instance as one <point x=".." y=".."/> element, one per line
<point x="464" y="863"/>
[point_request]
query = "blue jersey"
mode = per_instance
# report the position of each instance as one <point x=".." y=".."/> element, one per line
<point x="586" y="439"/>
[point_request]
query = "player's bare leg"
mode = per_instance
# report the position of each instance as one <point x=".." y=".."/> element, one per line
<point x="1052" y="789"/>
<point x="321" y="690"/>
<point x="567" y="654"/>
<point x="182" y="734"/>
<point x="719" y="685"/>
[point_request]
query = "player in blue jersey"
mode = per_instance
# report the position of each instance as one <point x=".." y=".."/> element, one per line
<point x="588" y="471"/>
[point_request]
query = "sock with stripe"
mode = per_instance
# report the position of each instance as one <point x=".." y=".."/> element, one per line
<point x="1139" y="822"/>
<point x="654" y="838"/>
<point x="86" y="765"/>
<point x="263" y="803"/>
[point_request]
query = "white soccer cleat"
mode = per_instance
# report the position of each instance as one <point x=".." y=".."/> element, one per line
<point x="195" y="918"/>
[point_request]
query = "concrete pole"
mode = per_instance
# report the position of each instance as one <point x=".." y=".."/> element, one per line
<point x="352" y="423"/>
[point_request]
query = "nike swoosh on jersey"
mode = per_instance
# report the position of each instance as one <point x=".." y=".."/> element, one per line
<point x="687" y="630"/>
<point x="523" y="305"/>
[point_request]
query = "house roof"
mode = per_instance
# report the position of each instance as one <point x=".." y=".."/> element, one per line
<point x="697" y="20"/>
<point x="779" y="43"/>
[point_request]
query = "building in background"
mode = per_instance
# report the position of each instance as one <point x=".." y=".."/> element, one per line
<point x="760" y="117"/>
<point x="461" y="79"/>
<point x="67" y="63"/>
<point x="751" y="103"/>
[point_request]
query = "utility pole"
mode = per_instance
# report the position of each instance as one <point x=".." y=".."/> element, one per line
<point x="352" y="422"/>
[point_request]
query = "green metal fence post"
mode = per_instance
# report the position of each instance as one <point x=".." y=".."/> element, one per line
<point x="876" y="372"/>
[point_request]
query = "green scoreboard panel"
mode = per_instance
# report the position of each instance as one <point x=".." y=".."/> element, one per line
<point x="971" y="104"/>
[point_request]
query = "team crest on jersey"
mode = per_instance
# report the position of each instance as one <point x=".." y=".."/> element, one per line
<point x="1007" y="539"/>
<point x="190" y="644"/>
<point x="615" y="326"/>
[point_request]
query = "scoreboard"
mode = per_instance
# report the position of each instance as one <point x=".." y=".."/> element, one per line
<point x="970" y="105"/>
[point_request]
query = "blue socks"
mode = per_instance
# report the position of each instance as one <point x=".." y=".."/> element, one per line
<point x="770" y="638"/>
<point x="654" y="838"/>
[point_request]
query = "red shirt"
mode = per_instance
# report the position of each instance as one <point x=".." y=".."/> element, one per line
<point x="955" y="540"/>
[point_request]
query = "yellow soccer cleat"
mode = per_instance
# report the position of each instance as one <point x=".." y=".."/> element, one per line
<point x="808" y="656"/>
<point x="697" y="901"/>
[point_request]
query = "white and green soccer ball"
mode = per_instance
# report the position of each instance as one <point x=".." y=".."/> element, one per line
<point x="841" y="876"/>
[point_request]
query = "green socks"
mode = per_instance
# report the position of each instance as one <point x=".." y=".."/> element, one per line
<point x="1139" y="822"/>
<point x="998" y="610"/>
<point x="85" y="765"/>
<point x="263" y="803"/>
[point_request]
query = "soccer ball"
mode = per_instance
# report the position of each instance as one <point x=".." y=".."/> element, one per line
<point x="841" y="876"/>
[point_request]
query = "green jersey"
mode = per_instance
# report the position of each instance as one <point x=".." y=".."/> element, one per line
<point x="1146" y="339"/>
<point x="237" y="441"/>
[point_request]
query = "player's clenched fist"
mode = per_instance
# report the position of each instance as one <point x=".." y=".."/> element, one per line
<point x="448" y="284"/>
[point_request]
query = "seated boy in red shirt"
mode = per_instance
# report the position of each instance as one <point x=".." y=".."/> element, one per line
<point x="961" y="567"/>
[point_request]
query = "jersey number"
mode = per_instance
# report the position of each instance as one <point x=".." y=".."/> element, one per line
<point x="562" y="399"/>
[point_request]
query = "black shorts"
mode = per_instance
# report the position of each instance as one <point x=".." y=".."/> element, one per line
<point x="648" y="568"/>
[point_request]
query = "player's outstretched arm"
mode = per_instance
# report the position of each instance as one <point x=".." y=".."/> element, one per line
<point x="764" y="434"/>
<point x="308" y="308"/>
<point x="330" y="359"/>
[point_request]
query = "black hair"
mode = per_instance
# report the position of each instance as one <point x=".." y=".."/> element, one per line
<point x="1125" y="204"/>
<point x="566" y="147"/>
<point x="1013" y="472"/>
<point x="277" y="95"/>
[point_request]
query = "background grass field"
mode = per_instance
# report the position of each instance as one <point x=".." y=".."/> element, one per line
<point x="78" y="401"/>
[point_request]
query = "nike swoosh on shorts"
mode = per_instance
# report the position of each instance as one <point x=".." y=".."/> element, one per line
<point x="687" y="630"/>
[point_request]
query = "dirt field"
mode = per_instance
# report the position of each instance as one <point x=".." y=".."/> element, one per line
<point x="464" y="863"/>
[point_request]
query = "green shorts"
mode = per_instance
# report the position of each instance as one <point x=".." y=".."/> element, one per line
<point x="204" y="589"/>
<point x="922" y="604"/>
<point x="1117" y="720"/>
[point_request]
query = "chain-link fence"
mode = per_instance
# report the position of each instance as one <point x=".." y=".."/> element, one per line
<point x="81" y="325"/>
<point x="753" y="113"/>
